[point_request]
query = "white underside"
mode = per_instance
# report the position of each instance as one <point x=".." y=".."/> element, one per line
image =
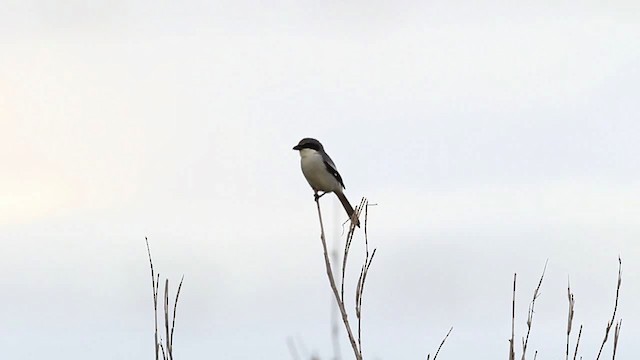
<point x="316" y="173"/>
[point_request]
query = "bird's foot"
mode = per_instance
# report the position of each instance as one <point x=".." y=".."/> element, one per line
<point x="317" y="197"/>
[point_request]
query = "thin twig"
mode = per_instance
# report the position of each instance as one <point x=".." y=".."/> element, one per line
<point x="175" y="307"/>
<point x="569" y="318"/>
<point x="335" y="326"/>
<point x="575" y="353"/>
<point x="536" y="293"/>
<point x="163" y="346"/>
<point x="616" y="336"/>
<point x="441" y="343"/>
<point x="615" y="308"/>
<point x="154" y="287"/>
<point x="347" y="244"/>
<point x="512" y="354"/>
<point x="363" y="274"/>
<point x="360" y="292"/>
<point x="334" y="288"/>
<point x="164" y="355"/>
<point x="166" y="319"/>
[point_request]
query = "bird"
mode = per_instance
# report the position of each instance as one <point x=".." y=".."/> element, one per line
<point x="321" y="173"/>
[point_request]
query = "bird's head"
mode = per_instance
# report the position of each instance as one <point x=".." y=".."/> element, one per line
<point x="308" y="143"/>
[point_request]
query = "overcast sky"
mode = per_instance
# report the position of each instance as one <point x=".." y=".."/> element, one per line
<point x="492" y="137"/>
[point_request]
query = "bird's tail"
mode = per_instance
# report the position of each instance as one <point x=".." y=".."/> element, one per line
<point x="347" y="207"/>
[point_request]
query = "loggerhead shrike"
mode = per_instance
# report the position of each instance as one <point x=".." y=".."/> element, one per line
<point x="321" y="173"/>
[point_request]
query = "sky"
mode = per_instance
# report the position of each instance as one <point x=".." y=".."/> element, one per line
<point x="491" y="137"/>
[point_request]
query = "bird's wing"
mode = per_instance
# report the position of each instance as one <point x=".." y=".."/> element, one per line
<point x="331" y="168"/>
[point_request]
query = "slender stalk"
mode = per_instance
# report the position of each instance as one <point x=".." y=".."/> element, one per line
<point x="512" y="354"/>
<point x="615" y="308"/>
<point x="570" y="319"/>
<point x="154" y="287"/>
<point x="442" y="343"/>
<point x="166" y="319"/>
<point x="616" y="336"/>
<point x="334" y="288"/>
<point x="536" y="294"/>
<point x="175" y="307"/>
<point x="364" y="270"/>
<point x="575" y="353"/>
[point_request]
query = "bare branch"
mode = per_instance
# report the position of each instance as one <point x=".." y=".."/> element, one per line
<point x="175" y="307"/>
<point x="154" y="287"/>
<point x="166" y="319"/>
<point x="442" y="343"/>
<point x="332" y="282"/>
<point x="512" y="354"/>
<point x="575" y="353"/>
<point x="347" y="245"/>
<point x="615" y="308"/>
<point x="536" y="293"/>
<point x="569" y="318"/>
<point x="163" y="346"/>
<point x="363" y="273"/>
<point x="164" y="355"/>
<point x="616" y="336"/>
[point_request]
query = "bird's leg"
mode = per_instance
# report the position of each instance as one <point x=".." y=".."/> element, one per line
<point x="317" y="197"/>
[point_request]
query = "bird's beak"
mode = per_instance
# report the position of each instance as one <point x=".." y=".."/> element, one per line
<point x="297" y="147"/>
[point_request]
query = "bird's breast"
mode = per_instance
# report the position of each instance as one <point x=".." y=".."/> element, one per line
<point x="315" y="171"/>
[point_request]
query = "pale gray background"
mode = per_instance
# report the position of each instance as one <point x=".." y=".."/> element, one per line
<point x="493" y="137"/>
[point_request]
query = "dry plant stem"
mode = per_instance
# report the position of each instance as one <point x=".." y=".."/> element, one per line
<point x="363" y="273"/>
<point x="175" y="307"/>
<point x="359" y="293"/>
<point x="615" y="308"/>
<point x="441" y="343"/>
<point x="570" y="318"/>
<point x="166" y="318"/>
<point x="154" y="287"/>
<point x="536" y="293"/>
<point x="169" y="332"/>
<point x="512" y="354"/>
<point x="616" y="336"/>
<point x="335" y="326"/>
<point x="335" y="321"/>
<point x="347" y="244"/>
<point x="332" y="282"/>
<point x="575" y="353"/>
<point x="165" y="349"/>
<point x="164" y="355"/>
